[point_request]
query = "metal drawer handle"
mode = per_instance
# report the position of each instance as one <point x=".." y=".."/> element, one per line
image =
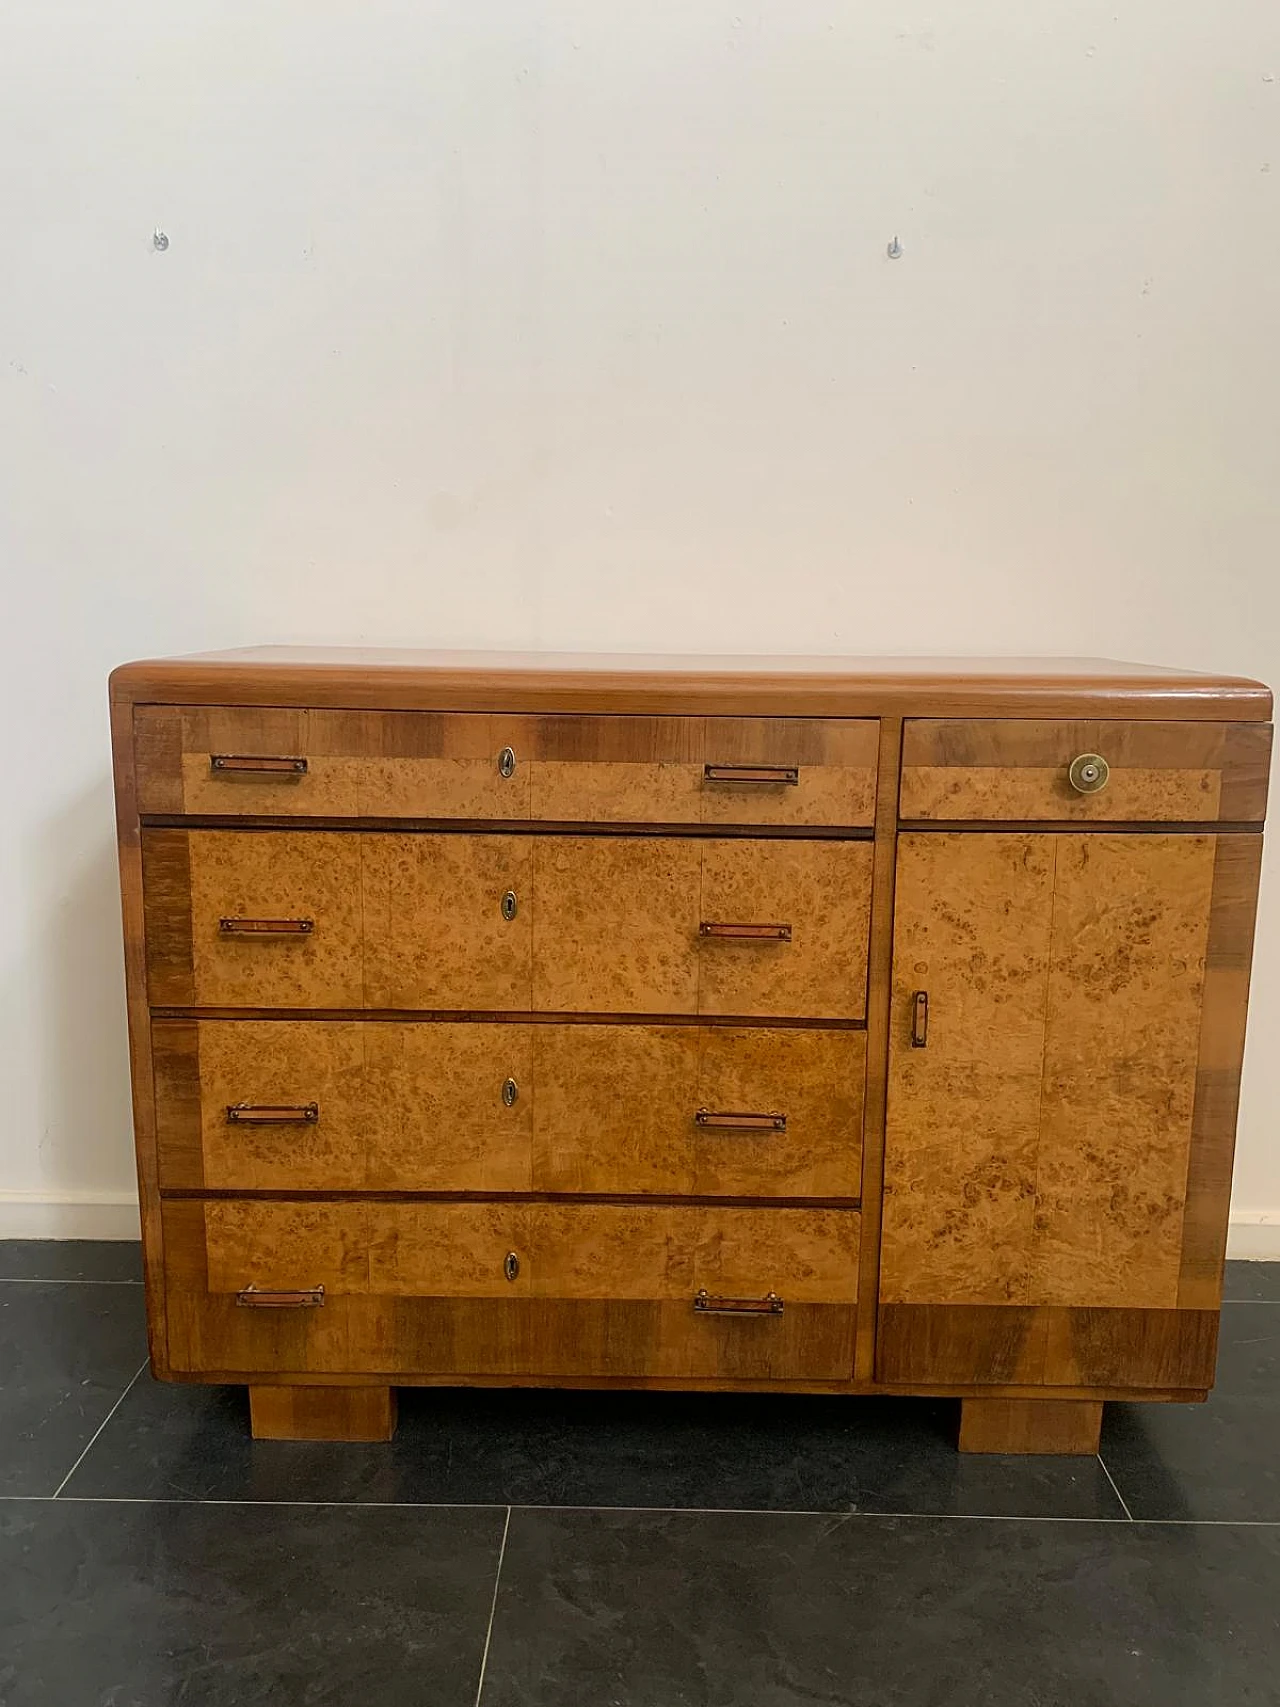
<point x="246" y="764"/>
<point x="919" y="1019"/>
<point x="1088" y="773"/>
<point x="745" y="933"/>
<point x="273" y="1298"/>
<point x="272" y="1114"/>
<point x="705" y="1304"/>
<point x="722" y="1121"/>
<point x="266" y="927"/>
<point x="787" y="775"/>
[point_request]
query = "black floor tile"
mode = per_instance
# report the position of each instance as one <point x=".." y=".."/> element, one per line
<point x="727" y="1451"/>
<point x="66" y="1355"/>
<point x="681" y="1610"/>
<point x="216" y="1606"/>
<point x="1252" y="1281"/>
<point x="1216" y="1460"/>
<point x="70" y="1259"/>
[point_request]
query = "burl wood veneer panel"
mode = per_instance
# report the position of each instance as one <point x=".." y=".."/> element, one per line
<point x="575" y="1251"/>
<point x="1016" y="769"/>
<point x="616" y="1110"/>
<point x="1037" y="1148"/>
<point x="435" y="932"/>
<point x="972" y="925"/>
<point x="196" y="878"/>
<point x="823" y="891"/>
<point x="398" y="1107"/>
<point x="359" y="763"/>
<point x="616" y="929"/>
<point x="1126" y="986"/>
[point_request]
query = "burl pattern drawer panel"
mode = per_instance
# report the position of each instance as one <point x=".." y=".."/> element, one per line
<point x="822" y="891"/>
<point x="1008" y="769"/>
<point x="306" y="889"/>
<point x="1038" y="1148"/>
<point x="339" y="1105"/>
<point x="436" y="934"/>
<point x="616" y="1110"/>
<point x="571" y="1251"/>
<point x="353" y="763"/>
<point x="616" y="924"/>
<point x="739" y="770"/>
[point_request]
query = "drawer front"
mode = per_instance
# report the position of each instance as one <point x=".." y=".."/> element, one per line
<point x="1006" y="770"/>
<point x="273" y="762"/>
<point x="335" y="1105"/>
<point x="467" y="922"/>
<point x="742" y="927"/>
<point x="523" y="1288"/>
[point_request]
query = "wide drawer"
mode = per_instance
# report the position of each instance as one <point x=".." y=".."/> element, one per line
<point x="1005" y="770"/>
<point x="511" y="1288"/>
<point x="478" y="922"/>
<point x="441" y="1106"/>
<point x="273" y="762"/>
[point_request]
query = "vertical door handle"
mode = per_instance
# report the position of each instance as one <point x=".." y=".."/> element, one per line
<point x="919" y="1019"/>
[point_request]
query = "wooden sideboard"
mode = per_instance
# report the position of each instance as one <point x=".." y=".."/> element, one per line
<point x="821" y="1025"/>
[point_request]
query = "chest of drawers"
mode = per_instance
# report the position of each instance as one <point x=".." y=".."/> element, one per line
<point x="817" y="1025"/>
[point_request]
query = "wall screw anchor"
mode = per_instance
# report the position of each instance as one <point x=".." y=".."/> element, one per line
<point x="159" y="240"/>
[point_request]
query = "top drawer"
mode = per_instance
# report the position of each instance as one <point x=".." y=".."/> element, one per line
<point x="245" y="760"/>
<point x="1005" y="770"/>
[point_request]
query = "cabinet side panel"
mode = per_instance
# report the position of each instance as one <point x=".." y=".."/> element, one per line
<point x="133" y="914"/>
<point x="1217" y="1089"/>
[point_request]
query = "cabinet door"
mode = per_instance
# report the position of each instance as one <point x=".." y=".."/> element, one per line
<point x="1046" y="1055"/>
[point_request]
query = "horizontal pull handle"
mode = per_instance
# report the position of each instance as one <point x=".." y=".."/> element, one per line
<point x="266" y="927"/>
<point x="273" y="1298"/>
<point x="745" y="933"/>
<point x="705" y="1304"/>
<point x="722" y="1121"/>
<point x="272" y="1114"/>
<point x="919" y="1019"/>
<point x="787" y="775"/>
<point x="255" y="764"/>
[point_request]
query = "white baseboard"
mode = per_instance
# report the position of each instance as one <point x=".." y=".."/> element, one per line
<point x="1254" y="1235"/>
<point x="68" y="1215"/>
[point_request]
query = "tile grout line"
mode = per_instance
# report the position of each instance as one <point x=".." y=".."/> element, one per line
<point x="120" y="1401"/>
<point x="493" y="1607"/>
<point x="1115" y="1490"/>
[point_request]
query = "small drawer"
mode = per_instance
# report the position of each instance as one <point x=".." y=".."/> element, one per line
<point x="276" y="762"/>
<point x="1002" y="770"/>
<point x="512" y="1287"/>
<point x="213" y="760"/>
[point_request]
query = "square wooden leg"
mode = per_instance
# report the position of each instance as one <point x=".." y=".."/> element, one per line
<point x="1030" y="1425"/>
<point x="322" y="1413"/>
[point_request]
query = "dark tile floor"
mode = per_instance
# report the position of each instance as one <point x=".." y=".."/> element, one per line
<point x="645" y="1550"/>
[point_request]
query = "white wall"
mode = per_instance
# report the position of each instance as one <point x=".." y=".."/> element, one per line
<point x="489" y="322"/>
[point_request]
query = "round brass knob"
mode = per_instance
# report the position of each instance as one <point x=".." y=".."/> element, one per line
<point x="1088" y="773"/>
